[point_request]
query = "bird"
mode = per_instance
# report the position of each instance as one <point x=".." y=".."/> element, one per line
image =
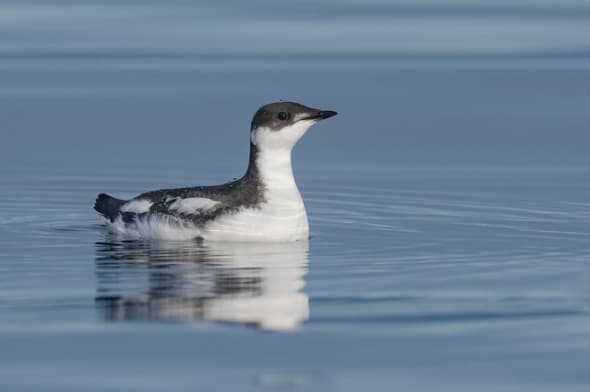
<point x="263" y="205"/>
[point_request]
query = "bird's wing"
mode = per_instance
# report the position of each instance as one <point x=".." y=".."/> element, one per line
<point x="198" y="204"/>
<point x="196" y="209"/>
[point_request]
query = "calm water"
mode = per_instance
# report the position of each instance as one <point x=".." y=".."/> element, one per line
<point x="414" y="276"/>
<point x="449" y="201"/>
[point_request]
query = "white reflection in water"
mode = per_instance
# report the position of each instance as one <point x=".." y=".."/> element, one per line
<point x="254" y="284"/>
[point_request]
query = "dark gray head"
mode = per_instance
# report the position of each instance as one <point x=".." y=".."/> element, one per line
<point x="278" y="115"/>
<point x="279" y="125"/>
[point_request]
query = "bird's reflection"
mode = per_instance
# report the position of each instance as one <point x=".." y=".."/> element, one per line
<point x="255" y="284"/>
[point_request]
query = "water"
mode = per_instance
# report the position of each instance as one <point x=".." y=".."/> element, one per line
<point x="472" y="276"/>
<point x="449" y="201"/>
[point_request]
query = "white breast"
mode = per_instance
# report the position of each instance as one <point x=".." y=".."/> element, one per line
<point x="282" y="216"/>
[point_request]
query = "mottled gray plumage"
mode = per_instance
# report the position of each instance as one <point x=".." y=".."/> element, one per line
<point x="247" y="191"/>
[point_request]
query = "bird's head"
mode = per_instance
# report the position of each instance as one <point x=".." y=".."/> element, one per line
<point x="280" y="125"/>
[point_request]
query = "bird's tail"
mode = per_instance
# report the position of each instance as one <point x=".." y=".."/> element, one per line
<point x="108" y="206"/>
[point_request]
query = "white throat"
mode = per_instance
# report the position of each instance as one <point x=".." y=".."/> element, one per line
<point x="280" y="189"/>
<point x="275" y="169"/>
<point x="273" y="162"/>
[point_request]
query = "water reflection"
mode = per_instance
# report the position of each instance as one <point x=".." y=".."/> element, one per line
<point x="254" y="284"/>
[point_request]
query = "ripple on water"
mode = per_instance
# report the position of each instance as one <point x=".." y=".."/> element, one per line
<point x="386" y="249"/>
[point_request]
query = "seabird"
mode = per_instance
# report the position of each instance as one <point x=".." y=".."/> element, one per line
<point x="263" y="205"/>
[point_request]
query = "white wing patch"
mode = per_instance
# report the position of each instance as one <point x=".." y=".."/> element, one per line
<point x="193" y="205"/>
<point x="137" y="206"/>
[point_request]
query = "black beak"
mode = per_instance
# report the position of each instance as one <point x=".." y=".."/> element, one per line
<point x="321" y="115"/>
<point x="326" y="114"/>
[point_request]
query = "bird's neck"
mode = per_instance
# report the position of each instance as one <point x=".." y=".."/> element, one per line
<point x="273" y="168"/>
<point x="281" y="210"/>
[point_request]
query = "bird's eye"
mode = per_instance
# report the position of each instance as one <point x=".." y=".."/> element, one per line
<point x="283" y="116"/>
